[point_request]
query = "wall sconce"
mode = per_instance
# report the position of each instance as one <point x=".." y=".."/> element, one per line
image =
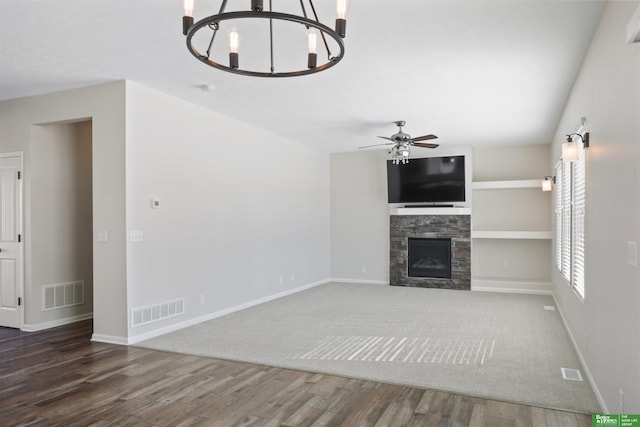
<point x="547" y="183"/>
<point x="571" y="150"/>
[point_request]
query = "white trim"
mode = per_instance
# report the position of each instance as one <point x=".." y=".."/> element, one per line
<point x="21" y="221"/>
<point x="520" y="235"/>
<point x="504" y="185"/>
<point x="171" y="328"/>
<point x="109" y="339"/>
<point x="511" y="286"/>
<point x="55" y="323"/>
<point x="592" y="382"/>
<point x="512" y="291"/>
<point x="427" y="210"/>
<point x="361" y="281"/>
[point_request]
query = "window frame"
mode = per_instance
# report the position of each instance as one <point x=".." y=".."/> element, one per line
<point x="570" y="213"/>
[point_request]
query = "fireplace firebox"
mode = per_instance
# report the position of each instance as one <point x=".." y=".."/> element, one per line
<point x="429" y="258"/>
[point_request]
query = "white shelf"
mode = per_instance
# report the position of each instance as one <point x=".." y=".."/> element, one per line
<point x="523" y="235"/>
<point x="430" y="211"/>
<point x="503" y="185"/>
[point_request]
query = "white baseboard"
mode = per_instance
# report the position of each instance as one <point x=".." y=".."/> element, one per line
<point x="220" y="313"/>
<point x="361" y="281"/>
<point x="592" y="382"/>
<point x="55" y="323"/>
<point x="511" y="286"/>
<point x="511" y="290"/>
<point x="109" y="339"/>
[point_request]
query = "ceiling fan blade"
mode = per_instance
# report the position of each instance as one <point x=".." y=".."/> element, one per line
<point x="419" y="144"/>
<point x="376" y="145"/>
<point x="424" y="138"/>
<point x="386" y="137"/>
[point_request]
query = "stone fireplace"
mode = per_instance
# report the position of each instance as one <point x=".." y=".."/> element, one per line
<point x="431" y="251"/>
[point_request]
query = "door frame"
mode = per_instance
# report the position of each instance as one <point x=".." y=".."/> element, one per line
<point x="20" y="217"/>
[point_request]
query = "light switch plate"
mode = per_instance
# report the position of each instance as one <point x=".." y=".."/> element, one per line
<point x="103" y="236"/>
<point x="135" y="235"/>
<point x="632" y="254"/>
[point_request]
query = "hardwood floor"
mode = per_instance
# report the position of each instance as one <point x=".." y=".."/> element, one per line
<point x="59" y="377"/>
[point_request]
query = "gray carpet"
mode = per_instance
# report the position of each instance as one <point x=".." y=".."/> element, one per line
<point x="500" y="346"/>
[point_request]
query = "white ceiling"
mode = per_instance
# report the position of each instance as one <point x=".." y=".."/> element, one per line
<point x="471" y="72"/>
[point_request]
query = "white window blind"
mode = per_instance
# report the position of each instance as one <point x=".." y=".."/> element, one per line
<point x="566" y="222"/>
<point x="578" y="211"/>
<point x="558" y="215"/>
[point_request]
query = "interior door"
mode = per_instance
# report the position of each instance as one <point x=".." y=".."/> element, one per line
<point x="10" y="240"/>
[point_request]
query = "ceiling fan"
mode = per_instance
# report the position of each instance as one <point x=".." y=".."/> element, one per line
<point x="401" y="142"/>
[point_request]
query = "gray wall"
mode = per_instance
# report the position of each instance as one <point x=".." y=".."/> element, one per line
<point x="244" y="214"/>
<point x="605" y="324"/>
<point x="360" y="212"/>
<point x="240" y="208"/>
<point x="19" y="121"/>
<point x="61" y="214"/>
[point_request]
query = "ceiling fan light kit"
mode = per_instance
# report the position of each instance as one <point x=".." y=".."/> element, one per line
<point x="308" y="21"/>
<point x="402" y="142"/>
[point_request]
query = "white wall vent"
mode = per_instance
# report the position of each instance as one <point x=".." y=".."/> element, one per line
<point x="571" y="374"/>
<point x="62" y="295"/>
<point x="633" y="28"/>
<point x="153" y="313"/>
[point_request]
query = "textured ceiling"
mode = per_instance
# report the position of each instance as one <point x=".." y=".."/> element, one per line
<point x="471" y="72"/>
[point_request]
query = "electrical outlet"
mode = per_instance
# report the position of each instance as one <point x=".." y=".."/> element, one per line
<point x="281" y="280"/>
<point x="292" y="277"/>
<point x="586" y="341"/>
<point x="506" y="262"/>
<point x="621" y="402"/>
<point x="364" y="269"/>
<point x="202" y="299"/>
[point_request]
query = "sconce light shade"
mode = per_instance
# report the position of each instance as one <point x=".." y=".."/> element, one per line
<point x="547" y="183"/>
<point x="570" y="151"/>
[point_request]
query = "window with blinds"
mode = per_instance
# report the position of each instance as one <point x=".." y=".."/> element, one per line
<point x="558" y="215"/>
<point x="570" y="204"/>
<point x="566" y="222"/>
<point x="578" y="210"/>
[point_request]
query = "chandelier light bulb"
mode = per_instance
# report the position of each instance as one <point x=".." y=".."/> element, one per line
<point x="341" y="8"/>
<point x="188" y="7"/>
<point x="312" y="41"/>
<point x="234" y="40"/>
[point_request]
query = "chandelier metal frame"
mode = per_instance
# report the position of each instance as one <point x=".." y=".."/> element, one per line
<point x="213" y="23"/>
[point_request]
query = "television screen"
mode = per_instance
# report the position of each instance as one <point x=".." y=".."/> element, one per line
<point x="427" y="180"/>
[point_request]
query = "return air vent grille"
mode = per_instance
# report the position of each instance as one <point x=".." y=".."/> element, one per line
<point x="153" y="313"/>
<point x="62" y="295"/>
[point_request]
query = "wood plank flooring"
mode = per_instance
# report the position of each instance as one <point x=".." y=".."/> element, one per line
<point x="59" y="377"/>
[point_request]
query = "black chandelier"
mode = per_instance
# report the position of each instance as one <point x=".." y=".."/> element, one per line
<point x="314" y="29"/>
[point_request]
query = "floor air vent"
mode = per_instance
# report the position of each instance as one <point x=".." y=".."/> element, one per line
<point x="571" y="374"/>
<point x="549" y="307"/>
<point x="153" y="313"/>
<point x="62" y="295"/>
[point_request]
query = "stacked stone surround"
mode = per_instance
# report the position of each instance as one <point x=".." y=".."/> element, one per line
<point x="454" y="227"/>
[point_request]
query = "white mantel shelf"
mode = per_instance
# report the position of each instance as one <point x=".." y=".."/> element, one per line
<point x="429" y="211"/>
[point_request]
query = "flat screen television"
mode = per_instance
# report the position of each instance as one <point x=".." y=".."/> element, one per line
<point x="427" y="180"/>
